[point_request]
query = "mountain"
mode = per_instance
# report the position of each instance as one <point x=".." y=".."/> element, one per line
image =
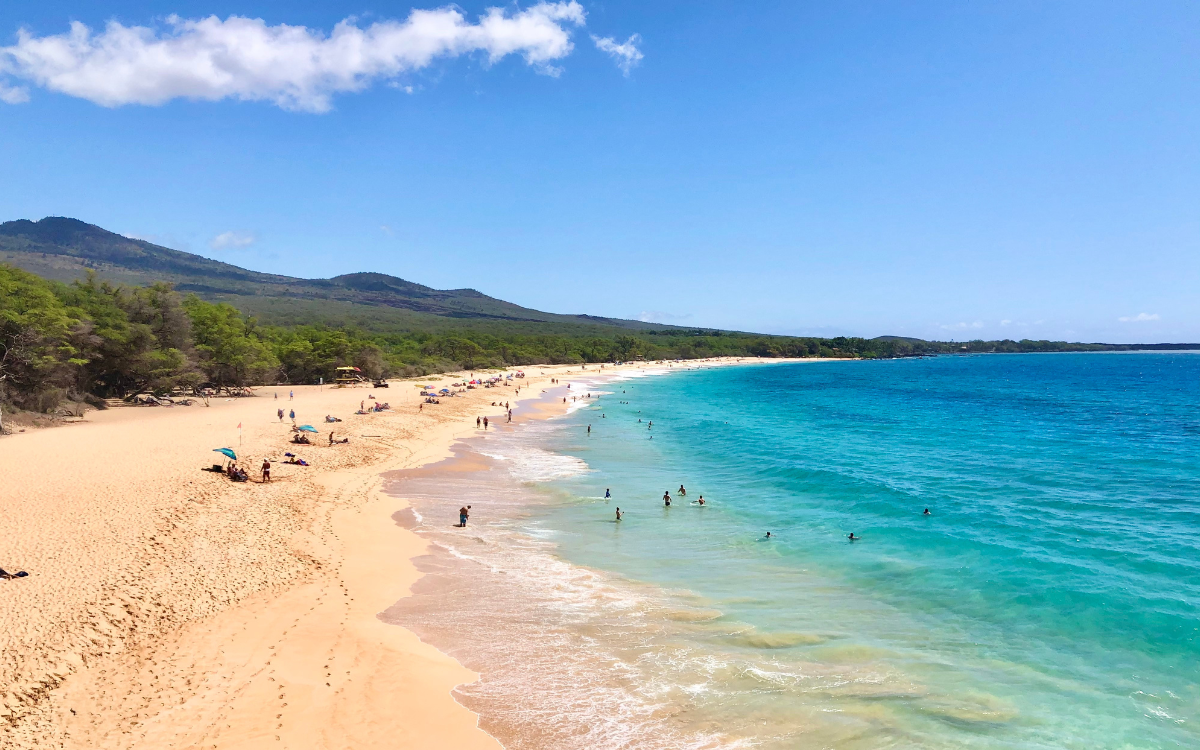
<point x="66" y="249"/>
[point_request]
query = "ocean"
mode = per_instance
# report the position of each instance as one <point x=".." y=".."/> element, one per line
<point x="1050" y="599"/>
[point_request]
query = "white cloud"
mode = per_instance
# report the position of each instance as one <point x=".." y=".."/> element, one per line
<point x="963" y="326"/>
<point x="1139" y="318"/>
<point x="294" y="67"/>
<point x="1005" y="322"/>
<point x="226" y="240"/>
<point x="626" y="54"/>
<point x="657" y="316"/>
<point x="12" y="94"/>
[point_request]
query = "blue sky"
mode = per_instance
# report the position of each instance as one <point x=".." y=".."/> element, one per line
<point x="942" y="170"/>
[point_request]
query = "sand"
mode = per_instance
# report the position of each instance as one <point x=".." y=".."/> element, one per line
<point x="168" y="607"/>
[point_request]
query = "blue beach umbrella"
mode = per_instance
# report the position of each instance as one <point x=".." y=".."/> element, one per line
<point x="307" y="428"/>
<point x="226" y="451"/>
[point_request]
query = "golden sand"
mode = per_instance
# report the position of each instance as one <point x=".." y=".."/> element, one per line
<point x="168" y="607"/>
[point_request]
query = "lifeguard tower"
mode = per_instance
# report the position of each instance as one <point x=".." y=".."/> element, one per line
<point x="349" y="376"/>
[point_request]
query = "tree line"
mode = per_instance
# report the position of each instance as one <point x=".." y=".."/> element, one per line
<point x="91" y="340"/>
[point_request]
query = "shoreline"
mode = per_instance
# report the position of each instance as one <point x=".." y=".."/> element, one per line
<point x="163" y="602"/>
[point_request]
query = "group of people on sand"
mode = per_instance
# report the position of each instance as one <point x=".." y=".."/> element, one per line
<point x="238" y="474"/>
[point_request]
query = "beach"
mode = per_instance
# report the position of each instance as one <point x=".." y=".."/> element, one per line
<point x="1047" y="600"/>
<point x="169" y="607"/>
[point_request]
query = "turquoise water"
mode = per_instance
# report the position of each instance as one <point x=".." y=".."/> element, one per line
<point x="1052" y="599"/>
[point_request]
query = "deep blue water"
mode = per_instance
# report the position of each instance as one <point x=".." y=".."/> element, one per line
<point x="1052" y="599"/>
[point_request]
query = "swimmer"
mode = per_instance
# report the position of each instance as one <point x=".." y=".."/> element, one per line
<point x="619" y="514"/>
<point x="853" y="538"/>
<point x="682" y="491"/>
<point x="768" y="536"/>
<point x="700" y="501"/>
<point x="667" y="499"/>
<point x="927" y="513"/>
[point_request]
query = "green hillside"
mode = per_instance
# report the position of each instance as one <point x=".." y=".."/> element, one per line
<point x="65" y="249"/>
<point x="87" y="314"/>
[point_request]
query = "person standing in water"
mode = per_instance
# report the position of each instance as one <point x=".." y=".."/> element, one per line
<point x="607" y="494"/>
<point x="667" y="499"/>
<point x="619" y="514"/>
<point x="682" y="491"/>
<point x="589" y="429"/>
<point x="701" y="501"/>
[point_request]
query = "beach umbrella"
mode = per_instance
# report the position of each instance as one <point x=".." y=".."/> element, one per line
<point x="307" y="428"/>
<point x="226" y="452"/>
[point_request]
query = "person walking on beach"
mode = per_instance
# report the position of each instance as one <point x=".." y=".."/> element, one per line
<point x="280" y="413"/>
<point x="477" y="422"/>
<point x="667" y="499"/>
<point x="463" y="514"/>
<point x="291" y="413"/>
<point x="266" y="470"/>
<point x="291" y="395"/>
<point x="485" y="423"/>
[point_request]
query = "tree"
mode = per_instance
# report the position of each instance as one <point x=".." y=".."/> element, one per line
<point x="35" y="355"/>
<point x="231" y="354"/>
